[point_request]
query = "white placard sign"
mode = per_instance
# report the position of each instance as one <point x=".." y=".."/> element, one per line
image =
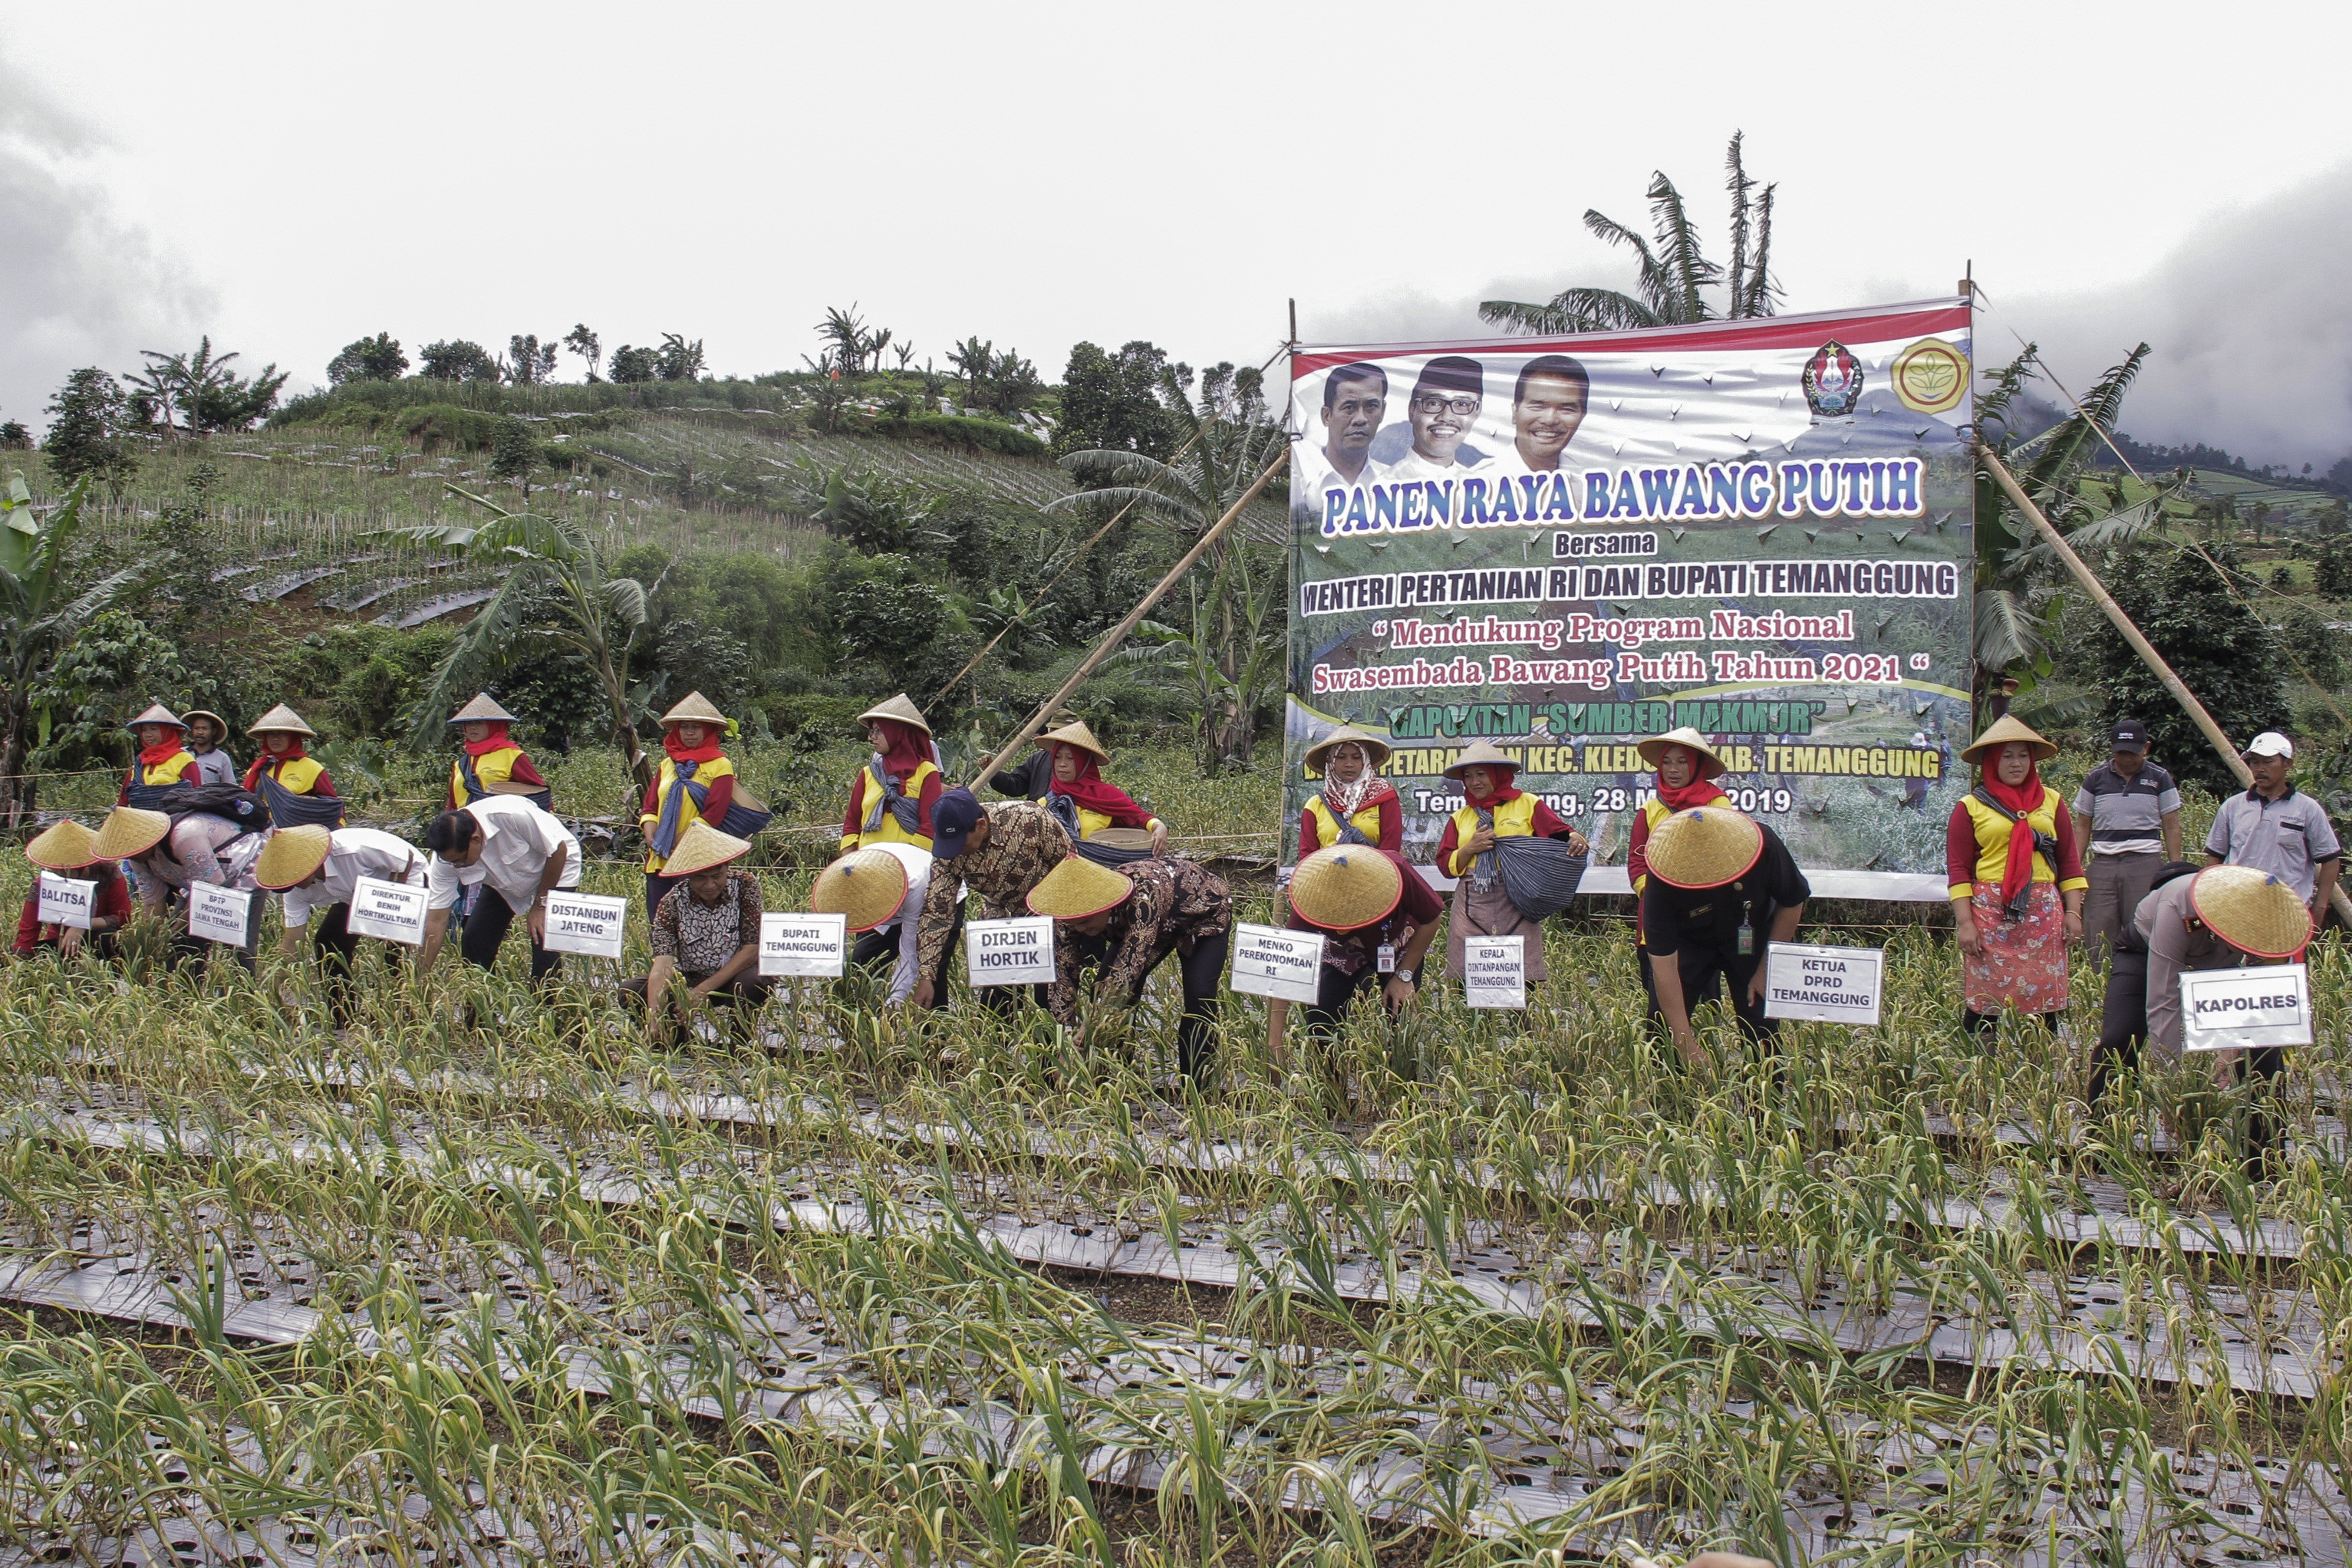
<point x="219" y="914"/>
<point x="2236" y="1009"/>
<point x="391" y="911"/>
<point x="1494" y="971"/>
<point x="1830" y="984"/>
<point x="1010" y="952"/>
<point x="67" y="902"/>
<point x="586" y="923"/>
<point x="810" y="946"/>
<point x="1286" y="966"/>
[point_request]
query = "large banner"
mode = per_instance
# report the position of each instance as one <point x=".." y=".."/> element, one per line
<point x="1760" y="530"/>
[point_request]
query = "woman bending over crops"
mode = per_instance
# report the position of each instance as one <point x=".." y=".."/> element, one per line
<point x="69" y="849"/>
<point x="1357" y="805"/>
<point x="891" y="800"/>
<point x="1492" y="810"/>
<point x="171" y="857"/>
<point x="2017" y="881"/>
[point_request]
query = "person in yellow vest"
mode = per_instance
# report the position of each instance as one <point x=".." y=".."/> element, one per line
<point x="1687" y="768"/>
<point x="1492" y="809"/>
<point x="295" y="784"/>
<point x="695" y="782"/>
<point x="163" y="762"/>
<point x="1354" y="796"/>
<point x="1080" y="795"/>
<point x="891" y="800"/>
<point x="488" y="763"/>
<point x="2017" y="882"/>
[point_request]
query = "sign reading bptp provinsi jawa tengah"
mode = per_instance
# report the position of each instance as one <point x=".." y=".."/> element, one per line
<point x="1762" y="529"/>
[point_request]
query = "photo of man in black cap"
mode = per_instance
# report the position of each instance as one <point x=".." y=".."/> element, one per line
<point x="2132" y="811"/>
<point x="1444" y="405"/>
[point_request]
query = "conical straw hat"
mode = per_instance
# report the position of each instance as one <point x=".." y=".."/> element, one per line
<point x="700" y="847"/>
<point x="2004" y="729"/>
<point x="64" y="845"/>
<point x="1709" y="764"/>
<point x="1481" y="754"/>
<point x="157" y="714"/>
<point x="292" y="853"/>
<point x="866" y="885"/>
<point x="129" y="831"/>
<point x="2251" y="910"/>
<point x="695" y="708"/>
<point x="1705" y="847"/>
<point x="1078" y="888"/>
<point x="220" y="725"/>
<point x="481" y="709"/>
<point x="1347" y="886"/>
<point x="900" y="708"/>
<point x="280" y="719"/>
<point x="1376" y="750"/>
<point x="1074" y="734"/>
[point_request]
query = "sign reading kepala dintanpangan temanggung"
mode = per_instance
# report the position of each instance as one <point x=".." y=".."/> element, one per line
<point x="1758" y="529"/>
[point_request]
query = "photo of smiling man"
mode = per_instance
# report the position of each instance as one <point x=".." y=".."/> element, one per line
<point x="1444" y="405"/>
<point x="1547" y="406"/>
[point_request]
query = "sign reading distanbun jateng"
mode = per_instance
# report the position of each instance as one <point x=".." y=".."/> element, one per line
<point x="1760" y="530"/>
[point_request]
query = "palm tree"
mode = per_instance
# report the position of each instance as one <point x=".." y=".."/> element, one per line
<point x="41" y="615"/>
<point x="552" y="560"/>
<point x="1230" y="648"/>
<point x="1674" y="278"/>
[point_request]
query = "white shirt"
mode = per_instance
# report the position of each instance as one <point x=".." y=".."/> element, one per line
<point x="1413" y="467"/>
<point x="917" y="862"/>
<point x="353" y="853"/>
<point x="517" y="839"/>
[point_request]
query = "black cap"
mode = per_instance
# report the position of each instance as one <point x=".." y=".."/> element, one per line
<point x="954" y="816"/>
<point x="2131" y="735"/>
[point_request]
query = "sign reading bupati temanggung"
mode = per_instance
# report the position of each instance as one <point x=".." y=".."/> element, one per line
<point x="1758" y="529"/>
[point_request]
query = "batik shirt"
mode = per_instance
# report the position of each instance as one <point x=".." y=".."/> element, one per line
<point x="1024" y="842"/>
<point x="701" y="938"/>
<point x="1174" y="902"/>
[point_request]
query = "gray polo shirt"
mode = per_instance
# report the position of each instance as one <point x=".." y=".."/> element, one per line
<point x="2126" y="815"/>
<point x="2288" y="837"/>
<point x="2173" y="946"/>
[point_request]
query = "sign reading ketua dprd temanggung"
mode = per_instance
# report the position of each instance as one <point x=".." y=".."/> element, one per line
<point x="1758" y="529"/>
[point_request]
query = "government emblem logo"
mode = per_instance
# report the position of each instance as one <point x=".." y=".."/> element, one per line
<point x="1931" y="376"/>
<point x="1833" y="381"/>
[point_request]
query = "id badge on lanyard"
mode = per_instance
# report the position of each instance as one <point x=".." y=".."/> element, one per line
<point x="1747" y="937"/>
<point x="1384" y="956"/>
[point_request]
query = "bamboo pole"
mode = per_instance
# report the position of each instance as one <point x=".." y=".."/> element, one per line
<point x="2340" y="901"/>
<point x="1117" y="633"/>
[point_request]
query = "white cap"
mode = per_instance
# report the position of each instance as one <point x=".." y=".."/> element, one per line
<point x="2270" y="743"/>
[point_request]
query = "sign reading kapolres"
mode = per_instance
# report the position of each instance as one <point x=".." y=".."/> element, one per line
<point x="1760" y="530"/>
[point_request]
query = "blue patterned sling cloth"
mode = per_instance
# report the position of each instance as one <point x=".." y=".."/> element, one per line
<point x="1541" y="875"/>
<point x="889" y="797"/>
<point x="745" y="817"/>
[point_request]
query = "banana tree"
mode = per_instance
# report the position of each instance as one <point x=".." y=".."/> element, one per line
<point x="550" y="561"/>
<point x="42" y="613"/>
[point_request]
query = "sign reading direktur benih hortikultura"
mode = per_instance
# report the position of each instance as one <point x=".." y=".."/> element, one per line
<point x="1758" y="528"/>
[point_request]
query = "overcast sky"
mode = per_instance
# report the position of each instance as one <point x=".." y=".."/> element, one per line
<point x="289" y="178"/>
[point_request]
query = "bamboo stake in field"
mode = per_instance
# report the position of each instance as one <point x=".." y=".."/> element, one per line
<point x="1117" y="633"/>
<point x="2340" y="902"/>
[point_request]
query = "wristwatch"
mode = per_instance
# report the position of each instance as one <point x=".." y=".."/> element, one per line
<point x="1403" y="974"/>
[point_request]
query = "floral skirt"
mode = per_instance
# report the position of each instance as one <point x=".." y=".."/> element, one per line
<point x="2024" y="965"/>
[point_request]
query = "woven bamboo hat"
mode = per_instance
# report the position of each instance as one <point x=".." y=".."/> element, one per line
<point x="901" y="708"/>
<point x="128" y="831"/>
<point x="1078" y="888"/>
<point x="866" y="885"/>
<point x="1705" y="847"/>
<point x="2251" y="910"/>
<point x="1709" y="764"/>
<point x="1346" y="888"/>
<point x="1376" y="750"/>
<point x="280" y="719"/>
<point x="220" y="725"/>
<point x="2002" y="731"/>
<point x="1122" y="839"/>
<point x="696" y="709"/>
<point x="481" y="709"/>
<point x="1481" y="754"/>
<point x="158" y="714"/>
<point x="1073" y="733"/>
<point x="700" y="847"/>
<point x="64" y="845"/>
<point x="292" y="855"/>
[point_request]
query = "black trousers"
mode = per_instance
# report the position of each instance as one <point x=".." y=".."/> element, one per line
<point x="1336" y="993"/>
<point x="336" y="945"/>
<point x="1199" y="971"/>
<point x="657" y="887"/>
<point x="1706" y="972"/>
<point x="486" y="932"/>
<point x="2123" y="1034"/>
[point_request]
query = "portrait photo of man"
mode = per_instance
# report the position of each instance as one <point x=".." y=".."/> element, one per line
<point x="1355" y="400"/>
<point x="1446" y="398"/>
<point x="1547" y="406"/>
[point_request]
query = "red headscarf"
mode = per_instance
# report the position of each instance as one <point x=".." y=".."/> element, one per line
<point x="706" y="753"/>
<point x="907" y="749"/>
<point x="1089" y="791"/>
<point x="1503" y="771"/>
<point x="1700" y="791"/>
<point x="148" y="756"/>
<point x="269" y="759"/>
<point x="494" y="741"/>
<point x="2020" y="798"/>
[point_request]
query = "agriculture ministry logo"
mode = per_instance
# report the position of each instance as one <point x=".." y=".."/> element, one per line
<point x="1931" y="376"/>
<point x="1833" y="381"/>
